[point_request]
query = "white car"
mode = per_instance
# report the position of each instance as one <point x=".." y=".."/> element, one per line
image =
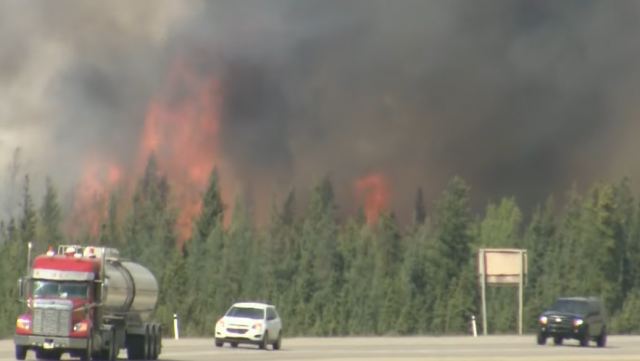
<point x="252" y="323"/>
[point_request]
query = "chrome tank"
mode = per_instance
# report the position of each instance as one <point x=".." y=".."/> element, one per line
<point x="130" y="288"/>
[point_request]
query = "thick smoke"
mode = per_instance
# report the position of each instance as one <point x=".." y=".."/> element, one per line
<point x="519" y="98"/>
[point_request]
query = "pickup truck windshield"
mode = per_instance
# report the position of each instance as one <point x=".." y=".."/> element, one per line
<point x="570" y="306"/>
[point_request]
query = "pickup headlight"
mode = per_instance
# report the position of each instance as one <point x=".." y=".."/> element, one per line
<point x="578" y="322"/>
<point x="543" y="320"/>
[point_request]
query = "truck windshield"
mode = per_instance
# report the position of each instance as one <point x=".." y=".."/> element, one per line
<point x="246" y="312"/>
<point x="50" y="289"/>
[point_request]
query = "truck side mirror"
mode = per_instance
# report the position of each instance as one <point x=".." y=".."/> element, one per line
<point x="21" y="288"/>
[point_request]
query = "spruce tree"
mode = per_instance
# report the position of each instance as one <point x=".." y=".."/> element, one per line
<point x="419" y="210"/>
<point x="49" y="232"/>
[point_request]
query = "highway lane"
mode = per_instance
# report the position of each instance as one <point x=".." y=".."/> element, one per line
<point x="521" y="348"/>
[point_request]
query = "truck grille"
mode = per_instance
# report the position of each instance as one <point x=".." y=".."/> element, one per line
<point x="51" y="322"/>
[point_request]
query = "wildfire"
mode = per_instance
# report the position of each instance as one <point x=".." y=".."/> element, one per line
<point x="373" y="191"/>
<point x="181" y="129"/>
<point x="91" y="199"/>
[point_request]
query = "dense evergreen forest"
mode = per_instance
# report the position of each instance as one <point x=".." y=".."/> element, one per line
<point x="331" y="276"/>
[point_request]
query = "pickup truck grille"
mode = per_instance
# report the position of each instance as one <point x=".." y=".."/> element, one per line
<point x="51" y="322"/>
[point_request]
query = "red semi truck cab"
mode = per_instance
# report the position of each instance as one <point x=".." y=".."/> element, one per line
<point x="81" y="300"/>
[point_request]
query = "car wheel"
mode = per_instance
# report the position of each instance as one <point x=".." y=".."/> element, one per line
<point x="21" y="352"/>
<point x="265" y="341"/>
<point x="219" y="343"/>
<point x="557" y="340"/>
<point x="278" y="344"/>
<point x="234" y="344"/>
<point x="584" y="341"/>
<point x="542" y="339"/>
<point x="602" y="339"/>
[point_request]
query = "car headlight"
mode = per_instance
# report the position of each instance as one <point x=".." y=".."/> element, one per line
<point x="257" y="327"/>
<point x="578" y="322"/>
<point x="543" y="320"/>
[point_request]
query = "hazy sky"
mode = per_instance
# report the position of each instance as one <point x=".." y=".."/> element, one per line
<point x="520" y="98"/>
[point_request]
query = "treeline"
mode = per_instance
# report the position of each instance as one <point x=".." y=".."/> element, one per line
<point x="331" y="276"/>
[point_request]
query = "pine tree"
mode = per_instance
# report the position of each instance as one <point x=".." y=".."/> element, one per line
<point x="28" y="222"/>
<point x="451" y="249"/>
<point x="110" y="235"/>
<point x="419" y="210"/>
<point x="49" y="232"/>
<point x="173" y="291"/>
<point x="212" y="209"/>
<point x="539" y="240"/>
<point x="204" y="251"/>
<point x="150" y="229"/>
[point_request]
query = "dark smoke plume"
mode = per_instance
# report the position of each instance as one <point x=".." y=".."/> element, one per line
<point x="520" y="98"/>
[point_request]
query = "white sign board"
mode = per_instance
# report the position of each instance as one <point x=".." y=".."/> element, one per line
<point x="502" y="265"/>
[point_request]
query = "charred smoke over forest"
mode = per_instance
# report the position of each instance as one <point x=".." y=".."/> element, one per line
<point x="519" y="98"/>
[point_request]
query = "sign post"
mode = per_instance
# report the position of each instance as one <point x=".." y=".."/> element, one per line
<point x="502" y="266"/>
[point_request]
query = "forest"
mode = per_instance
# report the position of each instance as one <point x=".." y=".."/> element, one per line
<point x="332" y="275"/>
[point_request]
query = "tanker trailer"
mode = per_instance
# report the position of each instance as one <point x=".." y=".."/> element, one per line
<point x="88" y="302"/>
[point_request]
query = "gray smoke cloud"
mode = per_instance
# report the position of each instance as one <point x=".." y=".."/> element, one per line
<point x="519" y="98"/>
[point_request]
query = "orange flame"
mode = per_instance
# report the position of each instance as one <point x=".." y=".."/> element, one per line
<point x="373" y="191"/>
<point x="91" y="198"/>
<point x="181" y="129"/>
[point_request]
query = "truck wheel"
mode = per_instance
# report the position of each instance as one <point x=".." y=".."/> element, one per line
<point x="135" y="347"/>
<point x="157" y="336"/>
<point x="21" y="352"/>
<point x="265" y="341"/>
<point x="234" y="344"/>
<point x="557" y="340"/>
<point x="541" y="339"/>
<point x="219" y="343"/>
<point x="85" y="354"/>
<point x="112" y="353"/>
<point x="148" y="344"/>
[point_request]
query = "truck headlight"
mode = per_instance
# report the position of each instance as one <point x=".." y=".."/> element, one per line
<point x="23" y="323"/>
<point x="82" y="326"/>
<point x="578" y="322"/>
<point x="543" y="320"/>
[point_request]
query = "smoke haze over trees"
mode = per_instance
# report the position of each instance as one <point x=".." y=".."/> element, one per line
<point x="519" y="98"/>
<point x="365" y="149"/>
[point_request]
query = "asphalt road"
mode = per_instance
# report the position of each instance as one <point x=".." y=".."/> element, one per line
<point x="522" y="348"/>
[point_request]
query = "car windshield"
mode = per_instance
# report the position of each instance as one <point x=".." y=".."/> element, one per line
<point x="49" y="289"/>
<point x="246" y="312"/>
<point x="570" y="306"/>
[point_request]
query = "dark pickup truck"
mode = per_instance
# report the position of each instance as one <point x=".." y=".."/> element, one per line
<point x="580" y="318"/>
